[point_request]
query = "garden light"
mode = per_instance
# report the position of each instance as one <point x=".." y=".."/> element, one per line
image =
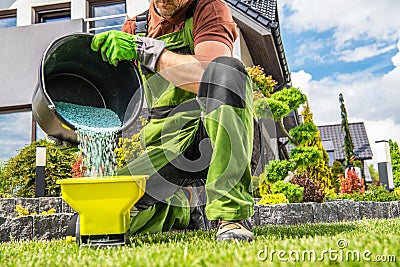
<point x="40" y="171"/>
<point x="384" y="164"/>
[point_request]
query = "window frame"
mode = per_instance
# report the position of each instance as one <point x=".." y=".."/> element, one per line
<point x="9" y="13"/>
<point x="41" y="13"/>
<point x="92" y="4"/>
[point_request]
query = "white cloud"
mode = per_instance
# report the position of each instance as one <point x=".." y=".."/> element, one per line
<point x="310" y="49"/>
<point x="15" y="133"/>
<point x="369" y="98"/>
<point x="351" y="20"/>
<point x="396" y="58"/>
<point x="364" y="52"/>
<point x="301" y="79"/>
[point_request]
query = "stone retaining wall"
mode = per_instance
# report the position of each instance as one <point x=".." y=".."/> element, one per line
<point x="53" y="226"/>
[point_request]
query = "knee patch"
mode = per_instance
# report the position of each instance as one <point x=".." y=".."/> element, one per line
<point x="223" y="83"/>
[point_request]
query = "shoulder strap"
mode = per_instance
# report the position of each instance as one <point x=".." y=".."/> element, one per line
<point x="141" y="20"/>
<point x="141" y="23"/>
<point x="191" y="9"/>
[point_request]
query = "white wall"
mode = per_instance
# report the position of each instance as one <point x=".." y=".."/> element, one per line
<point x="134" y="7"/>
<point x="25" y="14"/>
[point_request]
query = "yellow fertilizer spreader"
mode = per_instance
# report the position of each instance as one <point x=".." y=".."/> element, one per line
<point x="103" y="206"/>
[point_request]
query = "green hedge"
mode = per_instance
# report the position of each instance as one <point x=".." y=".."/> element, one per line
<point x="18" y="175"/>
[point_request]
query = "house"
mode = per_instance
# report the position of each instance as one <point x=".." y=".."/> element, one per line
<point x="29" y="26"/>
<point x="332" y="137"/>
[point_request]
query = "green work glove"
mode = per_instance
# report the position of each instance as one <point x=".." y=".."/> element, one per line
<point x="116" y="46"/>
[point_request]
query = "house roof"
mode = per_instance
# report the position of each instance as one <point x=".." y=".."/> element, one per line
<point x="259" y="24"/>
<point x="334" y="133"/>
<point x="332" y="138"/>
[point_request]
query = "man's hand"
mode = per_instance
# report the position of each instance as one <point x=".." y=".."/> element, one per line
<point x="116" y="46"/>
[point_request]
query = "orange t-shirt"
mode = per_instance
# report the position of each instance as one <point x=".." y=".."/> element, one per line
<point x="212" y="21"/>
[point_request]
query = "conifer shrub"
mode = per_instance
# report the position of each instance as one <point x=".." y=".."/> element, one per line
<point x="18" y="176"/>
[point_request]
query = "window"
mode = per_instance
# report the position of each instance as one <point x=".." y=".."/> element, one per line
<point x="51" y="13"/>
<point x="16" y="132"/>
<point x="330" y="149"/>
<point x="331" y="155"/>
<point x="8" y="18"/>
<point x="106" y="15"/>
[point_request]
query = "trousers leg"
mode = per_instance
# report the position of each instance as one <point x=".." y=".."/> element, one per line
<point x="226" y="97"/>
<point x="162" y="216"/>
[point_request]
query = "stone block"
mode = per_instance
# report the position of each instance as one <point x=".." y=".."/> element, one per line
<point x="47" y="203"/>
<point x="382" y="210"/>
<point x="348" y="210"/>
<point x="394" y="209"/>
<point x="325" y="212"/>
<point x="52" y="226"/>
<point x="20" y="228"/>
<point x="7" y="207"/>
<point x="65" y="208"/>
<point x="367" y="209"/>
<point x="31" y="203"/>
<point x="299" y="213"/>
<point x="272" y="214"/>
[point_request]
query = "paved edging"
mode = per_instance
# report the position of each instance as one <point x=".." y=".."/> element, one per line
<point x="327" y="212"/>
<point x="53" y="226"/>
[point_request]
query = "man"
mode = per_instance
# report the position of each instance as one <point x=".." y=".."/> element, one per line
<point x="201" y="125"/>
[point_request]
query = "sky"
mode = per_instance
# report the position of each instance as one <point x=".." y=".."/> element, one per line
<point x="349" y="47"/>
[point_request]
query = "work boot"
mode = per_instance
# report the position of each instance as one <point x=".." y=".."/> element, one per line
<point x="234" y="230"/>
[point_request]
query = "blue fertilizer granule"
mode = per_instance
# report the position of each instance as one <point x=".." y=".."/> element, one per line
<point x="96" y="129"/>
<point x="93" y="117"/>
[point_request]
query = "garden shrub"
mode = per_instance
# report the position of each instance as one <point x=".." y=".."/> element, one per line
<point x="305" y="156"/>
<point x="272" y="199"/>
<point x="128" y="149"/>
<point x="352" y="183"/>
<point x="374" y="192"/>
<point x="293" y="192"/>
<point x="264" y="84"/>
<point x="304" y="132"/>
<point x="25" y="211"/>
<point x="78" y="169"/>
<point x="292" y="96"/>
<point x="18" y="177"/>
<point x="320" y="171"/>
<point x="313" y="191"/>
<point x="337" y="170"/>
<point x="277" y="170"/>
<point x="255" y="181"/>
<point x="395" y="159"/>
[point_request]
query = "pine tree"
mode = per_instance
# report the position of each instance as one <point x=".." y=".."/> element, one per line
<point x="320" y="171"/>
<point x="348" y="143"/>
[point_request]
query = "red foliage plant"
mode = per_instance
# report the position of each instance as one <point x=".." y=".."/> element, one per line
<point x="78" y="170"/>
<point x="351" y="183"/>
<point x="313" y="191"/>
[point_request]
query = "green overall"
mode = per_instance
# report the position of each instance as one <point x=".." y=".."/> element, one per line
<point x="189" y="138"/>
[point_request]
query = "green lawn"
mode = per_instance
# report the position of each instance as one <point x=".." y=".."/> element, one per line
<point x="337" y="244"/>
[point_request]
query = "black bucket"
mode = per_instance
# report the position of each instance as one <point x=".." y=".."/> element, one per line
<point x="71" y="72"/>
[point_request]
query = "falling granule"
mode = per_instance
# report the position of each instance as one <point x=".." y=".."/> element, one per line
<point x="96" y="129"/>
